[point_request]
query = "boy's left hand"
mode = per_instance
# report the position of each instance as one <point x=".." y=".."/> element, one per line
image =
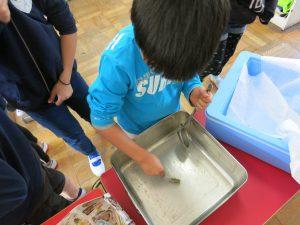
<point x="63" y="93"/>
<point x="200" y="98"/>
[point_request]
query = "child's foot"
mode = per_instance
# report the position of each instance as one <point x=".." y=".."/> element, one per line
<point x="96" y="164"/>
<point x="43" y="146"/>
<point x="19" y="113"/>
<point x="25" y="117"/>
<point x="81" y="193"/>
<point x="52" y="164"/>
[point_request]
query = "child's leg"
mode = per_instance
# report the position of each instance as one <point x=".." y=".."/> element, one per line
<point x="234" y="36"/>
<point x="28" y="134"/>
<point x="70" y="191"/>
<point x="62" y="123"/>
<point x="78" y="101"/>
<point x="43" y="156"/>
<point x="216" y="63"/>
<point x="62" y="185"/>
<point x="50" y="202"/>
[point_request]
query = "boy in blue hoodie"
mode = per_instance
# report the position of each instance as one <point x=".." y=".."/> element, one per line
<point x="147" y="66"/>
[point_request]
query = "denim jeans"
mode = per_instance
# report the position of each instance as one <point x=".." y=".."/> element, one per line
<point x="62" y="123"/>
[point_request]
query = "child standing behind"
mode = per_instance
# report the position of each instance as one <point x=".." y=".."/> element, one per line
<point x="147" y="66"/>
<point x="243" y="12"/>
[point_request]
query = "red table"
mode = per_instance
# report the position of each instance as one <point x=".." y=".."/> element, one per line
<point x="266" y="190"/>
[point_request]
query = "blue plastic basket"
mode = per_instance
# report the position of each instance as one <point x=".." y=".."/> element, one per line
<point x="269" y="149"/>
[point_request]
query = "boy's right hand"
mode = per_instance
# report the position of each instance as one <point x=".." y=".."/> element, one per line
<point x="4" y="12"/>
<point x="151" y="165"/>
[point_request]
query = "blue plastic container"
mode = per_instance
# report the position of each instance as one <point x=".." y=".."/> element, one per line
<point x="269" y="149"/>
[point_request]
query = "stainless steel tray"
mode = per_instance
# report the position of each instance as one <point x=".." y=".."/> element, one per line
<point x="209" y="174"/>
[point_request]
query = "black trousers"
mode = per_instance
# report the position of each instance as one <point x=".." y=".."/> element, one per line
<point x="222" y="55"/>
<point x="33" y="141"/>
<point x="51" y="202"/>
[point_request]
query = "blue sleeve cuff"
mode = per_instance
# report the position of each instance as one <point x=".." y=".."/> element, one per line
<point x="102" y="123"/>
<point x="190" y="85"/>
<point x="187" y="92"/>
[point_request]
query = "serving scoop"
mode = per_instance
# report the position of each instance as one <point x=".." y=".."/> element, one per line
<point x="183" y="134"/>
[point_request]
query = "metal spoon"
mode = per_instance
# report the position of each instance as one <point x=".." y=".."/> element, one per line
<point x="183" y="134"/>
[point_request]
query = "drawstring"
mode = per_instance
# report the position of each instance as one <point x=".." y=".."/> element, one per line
<point x="31" y="56"/>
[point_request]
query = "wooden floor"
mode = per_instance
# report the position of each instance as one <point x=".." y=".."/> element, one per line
<point x="98" y="21"/>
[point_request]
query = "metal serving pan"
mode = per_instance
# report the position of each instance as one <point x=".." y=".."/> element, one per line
<point x="209" y="174"/>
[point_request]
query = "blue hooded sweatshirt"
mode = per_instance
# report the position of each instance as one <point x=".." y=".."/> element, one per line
<point x="129" y="90"/>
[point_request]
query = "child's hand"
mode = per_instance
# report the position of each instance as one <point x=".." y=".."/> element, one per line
<point x="62" y="92"/>
<point x="151" y="166"/>
<point x="4" y="12"/>
<point x="200" y="98"/>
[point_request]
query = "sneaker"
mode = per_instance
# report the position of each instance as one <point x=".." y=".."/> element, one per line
<point x="52" y="164"/>
<point x="43" y="146"/>
<point x="26" y="118"/>
<point x="19" y="113"/>
<point x="96" y="164"/>
<point x="81" y="193"/>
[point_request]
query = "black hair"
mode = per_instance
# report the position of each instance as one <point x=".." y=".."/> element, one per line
<point x="178" y="37"/>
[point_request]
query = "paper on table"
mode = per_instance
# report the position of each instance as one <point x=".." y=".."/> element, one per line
<point x="268" y="102"/>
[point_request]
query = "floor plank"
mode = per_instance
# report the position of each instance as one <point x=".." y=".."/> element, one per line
<point x="98" y="21"/>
